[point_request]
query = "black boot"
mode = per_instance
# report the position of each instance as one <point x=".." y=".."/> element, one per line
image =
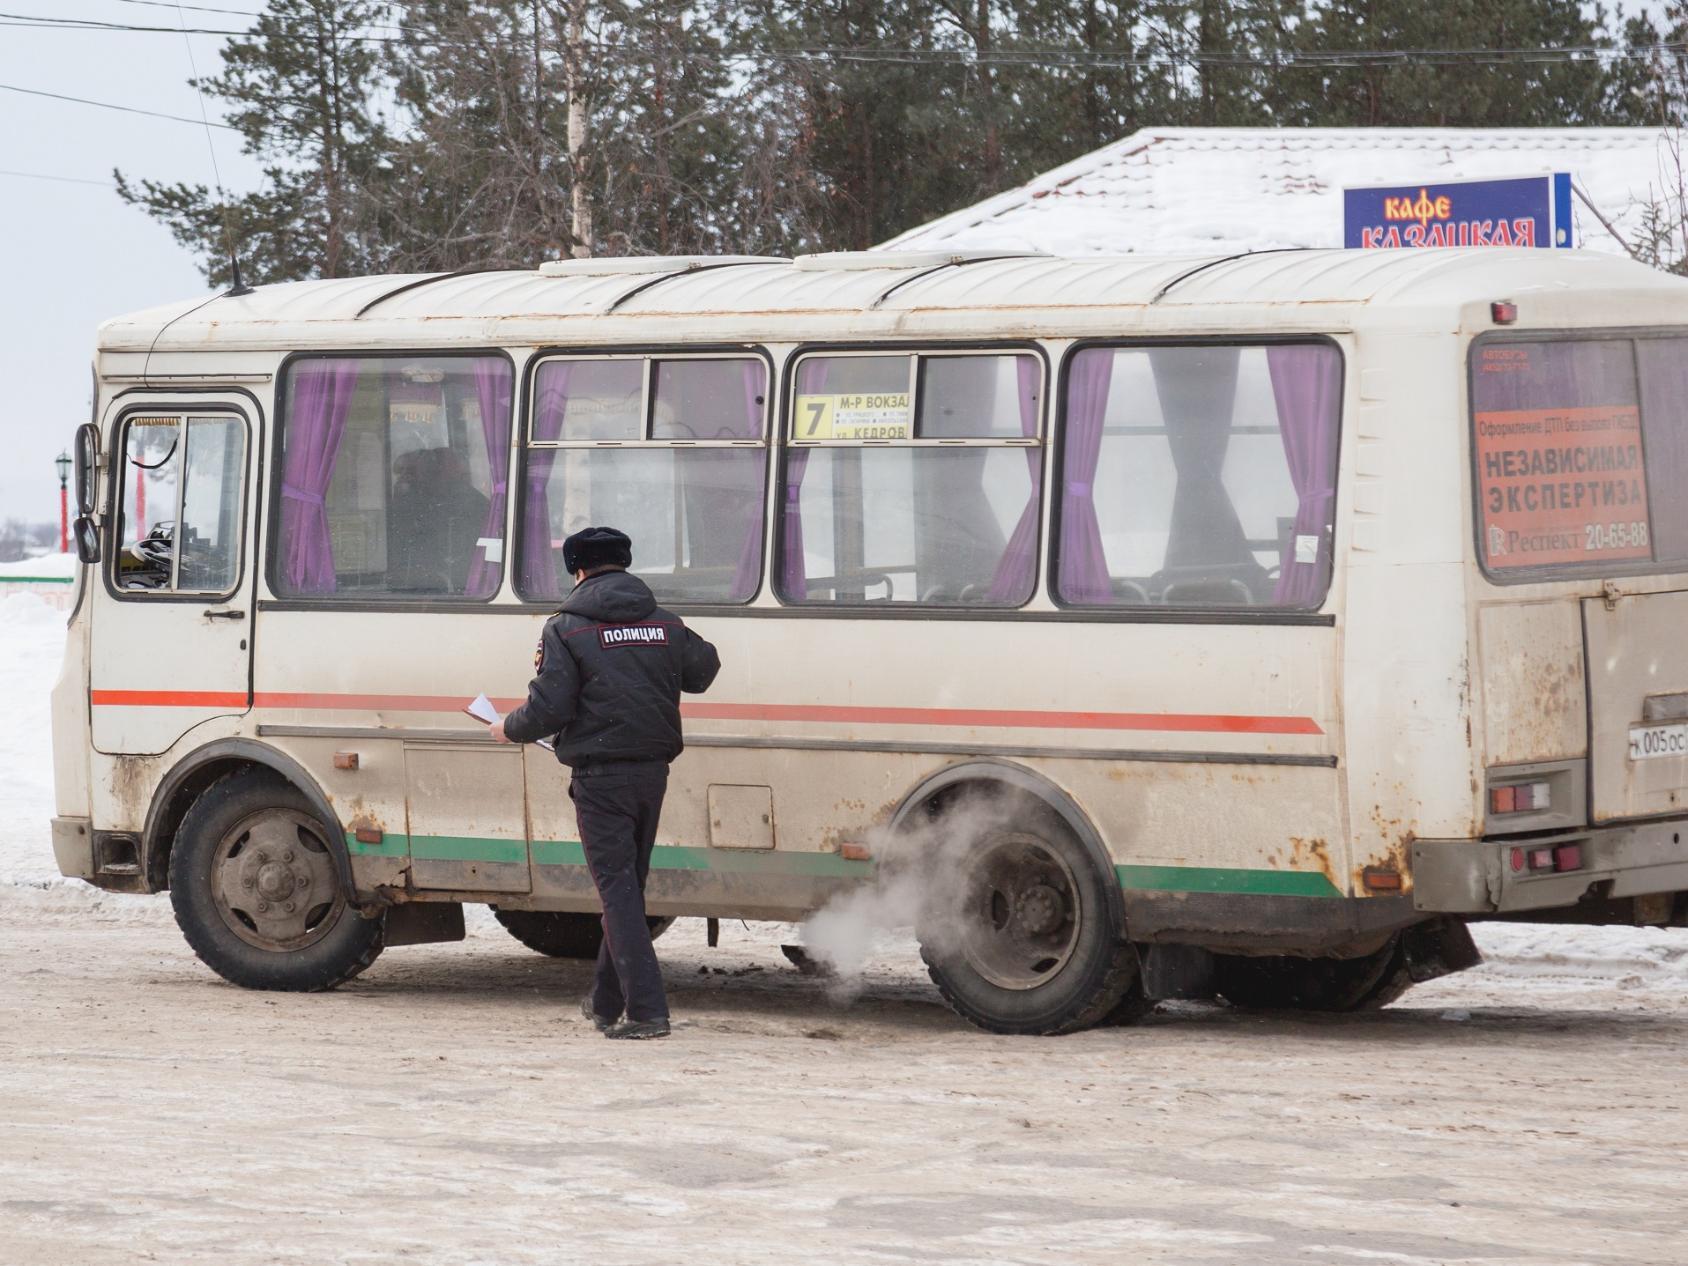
<point x="639" y="1030"/>
<point x="598" y="1021"/>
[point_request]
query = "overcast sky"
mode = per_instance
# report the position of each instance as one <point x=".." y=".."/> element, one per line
<point x="74" y="254"/>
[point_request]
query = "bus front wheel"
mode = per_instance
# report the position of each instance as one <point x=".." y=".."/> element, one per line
<point x="1022" y="936"/>
<point x="1281" y="983"/>
<point x="558" y="934"/>
<point x="256" y="888"/>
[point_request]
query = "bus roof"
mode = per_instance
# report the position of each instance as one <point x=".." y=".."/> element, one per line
<point x="876" y="293"/>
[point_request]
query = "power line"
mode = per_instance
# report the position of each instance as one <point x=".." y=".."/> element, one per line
<point x="193" y="8"/>
<point x="69" y="180"/>
<point x="1051" y="58"/>
<point x="110" y="105"/>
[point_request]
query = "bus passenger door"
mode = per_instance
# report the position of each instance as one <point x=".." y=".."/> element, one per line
<point x="172" y="611"/>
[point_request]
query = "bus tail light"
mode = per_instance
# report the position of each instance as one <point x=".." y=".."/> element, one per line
<point x="1503" y="313"/>
<point x="1524" y="797"/>
<point x="1547" y="857"/>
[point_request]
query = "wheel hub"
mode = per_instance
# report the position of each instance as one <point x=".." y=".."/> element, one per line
<point x="1039" y="909"/>
<point x="275" y="882"/>
<point x="1020" y="918"/>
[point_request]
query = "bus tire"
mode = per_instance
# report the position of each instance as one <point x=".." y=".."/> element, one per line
<point x="1022" y="936"/>
<point x="1282" y="983"/>
<point x="559" y="934"/>
<point x="256" y="886"/>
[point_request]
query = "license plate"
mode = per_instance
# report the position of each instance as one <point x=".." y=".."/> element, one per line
<point x="1650" y="742"/>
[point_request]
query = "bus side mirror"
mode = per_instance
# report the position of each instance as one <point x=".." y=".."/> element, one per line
<point x="87" y="464"/>
<point x="87" y="539"/>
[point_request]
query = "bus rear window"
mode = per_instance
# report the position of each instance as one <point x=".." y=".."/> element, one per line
<point x="1581" y="446"/>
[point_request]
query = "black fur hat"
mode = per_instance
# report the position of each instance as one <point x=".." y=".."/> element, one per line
<point x="595" y="547"/>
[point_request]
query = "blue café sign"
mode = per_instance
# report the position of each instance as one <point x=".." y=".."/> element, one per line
<point x="1530" y="211"/>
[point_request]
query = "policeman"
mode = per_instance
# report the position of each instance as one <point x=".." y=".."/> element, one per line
<point x="611" y="665"/>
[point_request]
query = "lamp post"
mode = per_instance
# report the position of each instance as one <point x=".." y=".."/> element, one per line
<point x="62" y="461"/>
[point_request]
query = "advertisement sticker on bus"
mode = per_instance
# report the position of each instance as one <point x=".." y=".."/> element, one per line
<point x="873" y="415"/>
<point x="1562" y="485"/>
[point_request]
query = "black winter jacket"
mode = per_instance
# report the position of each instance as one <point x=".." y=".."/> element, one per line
<point x="611" y="666"/>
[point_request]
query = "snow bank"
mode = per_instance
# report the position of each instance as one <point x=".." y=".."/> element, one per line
<point x="1544" y="957"/>
<point x="31" y="647"/>
<point x="44" y="567"/>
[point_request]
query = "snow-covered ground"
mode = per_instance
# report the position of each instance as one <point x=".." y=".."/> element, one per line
<point x="1524" y="961"/>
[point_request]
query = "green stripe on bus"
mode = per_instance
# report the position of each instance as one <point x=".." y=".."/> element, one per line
<point x="387" y="846"/>
<point x="728" y="861"/>
<point x="37" y="580"/>
<point x="1270" y="883"/>
<point x="456" y="848"/>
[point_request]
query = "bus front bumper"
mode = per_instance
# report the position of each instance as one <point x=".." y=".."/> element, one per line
<point x="73" y="847"/>
<point x="1546" y="872"/>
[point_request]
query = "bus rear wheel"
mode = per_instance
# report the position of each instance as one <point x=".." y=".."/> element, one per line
<point x="255" y="884"/>
<point x="558" y="934"/>
<point x="1026" y="938"/>
<point x="1281" y="983"/>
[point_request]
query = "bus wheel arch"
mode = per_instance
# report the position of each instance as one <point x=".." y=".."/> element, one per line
<point x="995" y="775"/>
<point x="256" y="878"/>
<point x="201" y="769"/>
<point x="1025" y="933"/>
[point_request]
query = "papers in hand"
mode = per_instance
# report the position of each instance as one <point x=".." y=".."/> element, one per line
<point x="480" y="707"/>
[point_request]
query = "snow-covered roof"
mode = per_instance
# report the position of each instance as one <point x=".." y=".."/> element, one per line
<point x="868" y="294"/>
<point x="1199" y="190"/>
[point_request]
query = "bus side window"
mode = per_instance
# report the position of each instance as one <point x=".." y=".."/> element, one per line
<point x="1199" y="476"/>
<point x="180" y="517"/>
<point x="913" y="479"/>
<point x="394" y="477"/>
<point x="671" y="450"/>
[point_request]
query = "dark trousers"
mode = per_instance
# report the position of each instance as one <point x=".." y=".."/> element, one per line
<point x="617" y="808"/>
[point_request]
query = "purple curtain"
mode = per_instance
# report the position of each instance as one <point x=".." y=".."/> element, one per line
<point x="1083" y="570"/>
<point x="536" y="560"/>
<point x="794" y="573"/>
<point x="316" y="422"/>
<point x="1017" y="571"/>
<point x="1664" y="422"/>
<point x="750" y="551"/>
<point x="1306" y="386"/>
<point x="492" y="391"/>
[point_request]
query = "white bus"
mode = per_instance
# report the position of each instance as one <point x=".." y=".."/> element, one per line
<point x="1235" y="627"/>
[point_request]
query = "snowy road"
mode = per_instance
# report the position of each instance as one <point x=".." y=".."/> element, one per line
<point x="451" y="1107"/>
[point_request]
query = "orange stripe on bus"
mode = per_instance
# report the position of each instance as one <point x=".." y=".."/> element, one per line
<point x="168" y="698"/>
<point x="973" y="718"/>
<point x="366" y="703"/>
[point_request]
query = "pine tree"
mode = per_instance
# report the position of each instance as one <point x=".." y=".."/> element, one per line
<point x="301" y="86"/>
<point x="1477" y="78"/>
<point x="481" y="176"/>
